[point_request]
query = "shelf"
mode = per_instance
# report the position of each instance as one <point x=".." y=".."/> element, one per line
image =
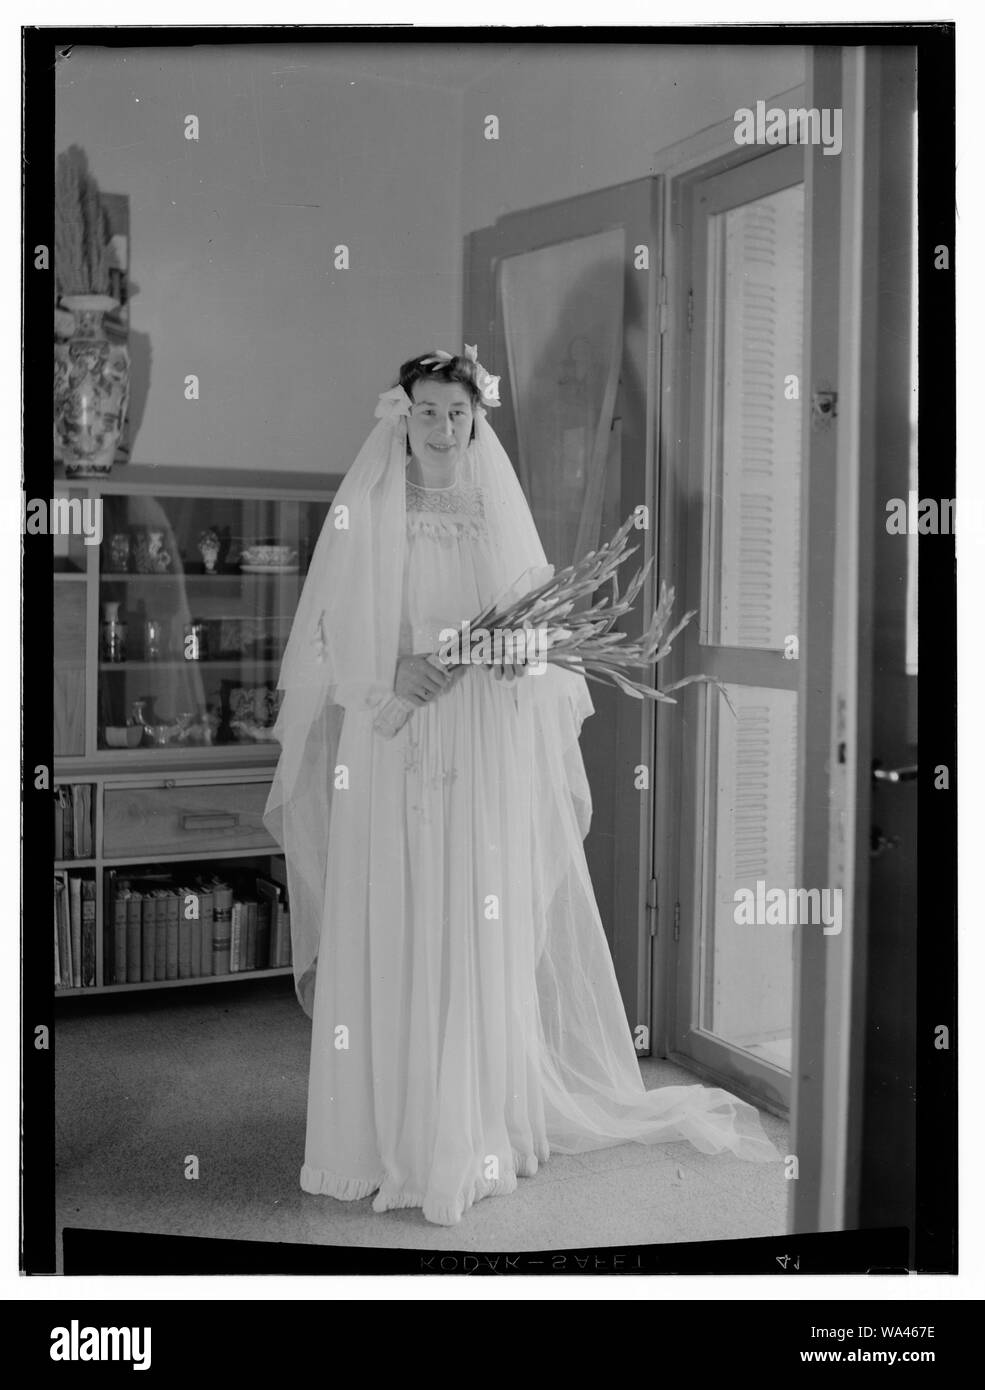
<point x="193" y="856"/>
<point x="178" y="663"/>
<point x="247" y="615"/>
<point x="191" y="754"/>
<point x="111" y="764"/>
<point x="62" y="993"/>
<point x="208" y="484"/>
<point x="127" y="576"/>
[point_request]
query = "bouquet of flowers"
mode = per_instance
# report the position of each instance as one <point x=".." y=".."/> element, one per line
<point x="579" y="639"/>
<point x="582" y="639"/>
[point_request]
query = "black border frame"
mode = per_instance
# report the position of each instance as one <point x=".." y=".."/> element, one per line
<point x="836" y="1252"/>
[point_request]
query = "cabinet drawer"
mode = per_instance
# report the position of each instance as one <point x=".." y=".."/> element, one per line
<point x="170" y="820"/>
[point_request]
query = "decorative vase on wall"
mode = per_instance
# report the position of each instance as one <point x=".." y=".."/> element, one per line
<point x="92" y="388"/>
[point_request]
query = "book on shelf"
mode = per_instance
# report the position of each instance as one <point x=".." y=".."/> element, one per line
<point x="263" y="929"/>
<point x="222" y="912"/>
<point x="250" y="919"/>
<point x="73" y="820"/>
<point x="130" y="972"/>
<point x="184" y="935"/>
<point x="75" y="930"/>
<point x="160" y="935"/>
<point x="115" y="941"/>
<point x="206" y="898"/>
<point x="58" y="968"/>
<point x="63" y="931"/>
<point x="274" y="895"/>
<point x="159" y="929"/>
<point x="88" y="893"/>
<point x="171" y="927"/>
<point x="149" y="937"/>
<point x="75" y="908"/>
<point x="235" y="936"/>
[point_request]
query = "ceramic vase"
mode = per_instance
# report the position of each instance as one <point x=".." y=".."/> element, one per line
<point x="92" y="389"/>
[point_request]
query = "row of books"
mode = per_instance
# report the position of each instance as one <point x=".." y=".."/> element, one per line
<point x="161" y="930"/>
<point x="73" y="820"/>
<point x="75" y="930"/>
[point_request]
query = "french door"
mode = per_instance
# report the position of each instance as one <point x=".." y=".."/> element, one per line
<point x="739" y="566"/>
<point x="563" y="301"/>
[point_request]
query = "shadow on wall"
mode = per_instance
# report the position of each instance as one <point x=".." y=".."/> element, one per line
<point x="140" y="368"/>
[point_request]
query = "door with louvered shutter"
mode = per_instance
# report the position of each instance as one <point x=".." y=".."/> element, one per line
<point x="739" y="833"/>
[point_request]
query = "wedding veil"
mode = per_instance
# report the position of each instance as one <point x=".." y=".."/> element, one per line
<point x="343" y="646"/>
<point x="341" y="656"/>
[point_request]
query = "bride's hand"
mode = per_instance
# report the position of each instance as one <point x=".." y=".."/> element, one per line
<point x="420" y="680"/>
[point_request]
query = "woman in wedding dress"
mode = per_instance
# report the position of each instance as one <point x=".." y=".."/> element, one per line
<point x="466" y="1019"/>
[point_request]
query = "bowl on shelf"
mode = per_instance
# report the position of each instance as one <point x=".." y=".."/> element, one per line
<point x="161" y="735"/>
<point x="250" y="731"/>
<point x="272" y="556"/>
<point x="123" y="735"/>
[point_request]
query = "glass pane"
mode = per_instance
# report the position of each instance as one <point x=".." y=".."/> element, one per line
<point x="75" y="515"/>
<point x="760" y="309"/>
<point x="69" y="651"/>
<point x="751" y="791"/>
<point x="196" y="598"/>
<point x="563" y="323"/>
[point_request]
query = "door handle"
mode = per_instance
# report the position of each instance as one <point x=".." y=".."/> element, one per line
<point x="893" y="774"/>
<point x="209" y="820"/>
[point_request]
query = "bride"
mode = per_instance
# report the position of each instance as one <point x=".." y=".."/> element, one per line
<point x="447" y="946"/>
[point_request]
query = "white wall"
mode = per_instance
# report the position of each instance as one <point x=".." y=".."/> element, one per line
<point x="232" y="240"/>
<point x="577" y="117"/>
<point x="302" y="148"/>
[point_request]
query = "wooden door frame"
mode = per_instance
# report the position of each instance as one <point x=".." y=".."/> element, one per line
<point x="848" y="208"/>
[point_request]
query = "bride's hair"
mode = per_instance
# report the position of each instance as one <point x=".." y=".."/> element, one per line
<point x="447" y="369"/>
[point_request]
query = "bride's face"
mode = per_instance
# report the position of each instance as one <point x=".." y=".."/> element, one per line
<point x="440" y="422"/>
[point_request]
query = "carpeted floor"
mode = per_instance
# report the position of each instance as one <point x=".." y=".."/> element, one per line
<point x="220" y="1072"/>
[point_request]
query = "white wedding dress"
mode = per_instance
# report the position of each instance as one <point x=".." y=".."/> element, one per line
<point x="462" y="1029"/>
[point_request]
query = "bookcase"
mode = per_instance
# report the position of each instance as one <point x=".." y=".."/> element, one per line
<point x="174" y="593"/>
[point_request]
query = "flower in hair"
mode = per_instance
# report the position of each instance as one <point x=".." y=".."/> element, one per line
<point x="393" y="404"/>
<point x="488" y="385"/>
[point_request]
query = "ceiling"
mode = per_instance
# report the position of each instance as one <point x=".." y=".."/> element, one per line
<point x="451" y="67"/>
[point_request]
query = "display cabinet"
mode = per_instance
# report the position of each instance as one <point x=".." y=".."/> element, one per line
<point x="174" y="596"/>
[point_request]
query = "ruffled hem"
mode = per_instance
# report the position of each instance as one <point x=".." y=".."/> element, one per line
<point x="391" y="1196"/>
<point x="322" y="1183"/>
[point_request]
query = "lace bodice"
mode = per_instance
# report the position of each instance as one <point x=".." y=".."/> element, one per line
<point x="445" y="514"/>
<point x="448" y="575"/>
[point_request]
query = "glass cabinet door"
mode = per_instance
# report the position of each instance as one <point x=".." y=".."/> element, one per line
<point x="196" y="600"/>
<point x="69" y="623"/>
